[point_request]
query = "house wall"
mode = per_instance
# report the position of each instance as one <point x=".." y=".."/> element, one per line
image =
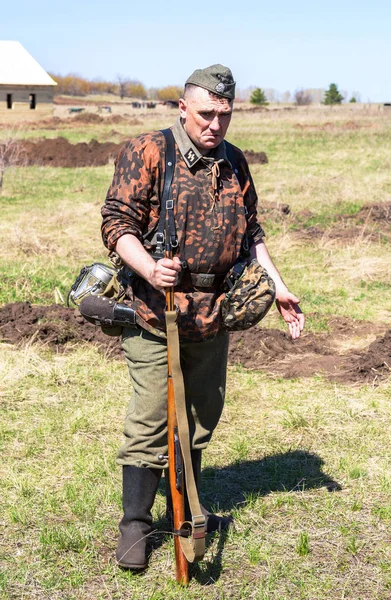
<point x="21" y="98"/>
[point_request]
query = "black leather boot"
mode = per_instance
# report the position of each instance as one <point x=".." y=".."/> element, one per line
<point x="213" y="522"/>
<point x="138" y="494"/>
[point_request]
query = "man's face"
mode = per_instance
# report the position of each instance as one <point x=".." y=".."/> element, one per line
<point x="205" y="118"/>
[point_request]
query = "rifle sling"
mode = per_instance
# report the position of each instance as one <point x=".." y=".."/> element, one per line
<point x="167" y="205"/>
<point x="193" y="546"/>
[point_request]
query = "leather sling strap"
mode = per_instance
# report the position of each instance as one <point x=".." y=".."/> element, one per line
<point x="229" y="149"/>
<point x="191" y="535"/>
<point x="230" y="152"/>
<point x="167" y="204"/>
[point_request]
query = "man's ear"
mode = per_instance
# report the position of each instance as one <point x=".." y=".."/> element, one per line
<point x="182" y="108"/>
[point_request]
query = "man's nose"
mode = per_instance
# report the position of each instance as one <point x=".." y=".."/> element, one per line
<point x="215" y="124"/>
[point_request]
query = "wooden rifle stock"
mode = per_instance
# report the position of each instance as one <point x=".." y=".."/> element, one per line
<point x="175" y="462"/>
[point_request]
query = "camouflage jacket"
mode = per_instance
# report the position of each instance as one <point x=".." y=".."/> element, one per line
<point x="211" y="219"/>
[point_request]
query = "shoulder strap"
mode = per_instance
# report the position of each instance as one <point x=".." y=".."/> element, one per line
<point x="166" y="203"/>
<point x="229" y="149"/>
<point x="247" y="239"/>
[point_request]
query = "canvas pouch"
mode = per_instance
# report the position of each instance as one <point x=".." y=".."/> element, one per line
<point x="249" y="294"/>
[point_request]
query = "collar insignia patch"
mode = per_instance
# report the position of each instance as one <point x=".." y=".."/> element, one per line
<point x="191" y="157"/>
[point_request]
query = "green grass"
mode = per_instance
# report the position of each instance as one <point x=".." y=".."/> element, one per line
<point x="61" y="487"/>
<point x="302" y="464"/>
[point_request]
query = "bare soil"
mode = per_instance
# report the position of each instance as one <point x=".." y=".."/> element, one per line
<point x="317" y="354"/>
<point x="54" y="326"/>
<point x="332" y="355"/>
<point x="375" y="213"/>
<point x="327" y="126"/>
<point x="372" y="222"/>
<point x="59" y="152"/>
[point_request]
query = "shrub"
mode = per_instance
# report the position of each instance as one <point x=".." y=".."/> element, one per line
<point x="302" y="98"/>
<point x="259" y="97"/>
<point x="332" y="95"/>
<point x="170" y="92"/>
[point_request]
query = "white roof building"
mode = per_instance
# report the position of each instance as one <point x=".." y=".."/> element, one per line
<point x="24" y="84"/>
<point x="18" y="67"/>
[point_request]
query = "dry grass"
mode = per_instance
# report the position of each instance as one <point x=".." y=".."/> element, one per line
<point x="304" y="465"/>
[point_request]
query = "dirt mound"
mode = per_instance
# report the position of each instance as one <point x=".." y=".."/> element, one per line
<point x="327" y="126"/>
<point x="251" y="109"/>
<point x="53" y="325"/>
<point x="376" y="361"/>
<point x="56" y="123"/>
<point x="275" y="352"/>
<point x="59" y="152"/>
<point x="88" y="117"/>
<point x="253" y="157"/>
<point x="375" y="212"/>
<point x="371" y="222"/>
<point x="274" y="209"/>
<point x="67" y="101"/>
<point x="343" y="235"/>
<point x="116" y="119"/>
<point x="258" y="348"/>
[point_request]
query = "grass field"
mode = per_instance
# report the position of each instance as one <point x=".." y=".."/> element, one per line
<point x="302" y="463"/>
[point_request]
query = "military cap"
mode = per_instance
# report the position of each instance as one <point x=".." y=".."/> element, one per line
<point x="216" y="79"/>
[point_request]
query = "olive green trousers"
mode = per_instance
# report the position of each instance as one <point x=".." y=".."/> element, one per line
<point x="204" y="366"/>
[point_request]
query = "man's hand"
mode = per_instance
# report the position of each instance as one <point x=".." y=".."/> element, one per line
<point x="165" y="273"/>
<point x="288" y="306"/>
<point x="160" y="274"/>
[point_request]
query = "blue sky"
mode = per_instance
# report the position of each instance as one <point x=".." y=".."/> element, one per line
<point x="285" y="46"/>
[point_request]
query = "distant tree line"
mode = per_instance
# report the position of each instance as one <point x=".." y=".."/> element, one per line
<point x="301" y="97"/>
<point x="124" y="87"/>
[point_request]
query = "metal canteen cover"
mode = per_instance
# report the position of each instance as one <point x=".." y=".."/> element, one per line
<point x="91" y="280"/>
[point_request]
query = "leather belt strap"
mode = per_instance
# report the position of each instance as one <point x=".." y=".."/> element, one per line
<point x="192" y="545"/>
<point x="206" y="280"/>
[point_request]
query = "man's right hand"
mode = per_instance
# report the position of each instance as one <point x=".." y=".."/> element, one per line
<point x="165" y="273"/>
<point x="160" y="274"/>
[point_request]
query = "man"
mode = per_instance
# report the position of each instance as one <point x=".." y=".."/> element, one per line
<point x="214" y="208"/>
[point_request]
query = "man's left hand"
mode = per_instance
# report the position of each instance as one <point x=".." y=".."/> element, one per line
<point x="288" y="306"/>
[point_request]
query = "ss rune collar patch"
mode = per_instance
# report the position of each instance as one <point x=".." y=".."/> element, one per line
<point x="220" y="88"/>
<point x="191" y="157"/>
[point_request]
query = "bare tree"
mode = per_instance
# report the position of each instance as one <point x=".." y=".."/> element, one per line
<point x="271" y="94"/>
<point x="123" y="83"/>
<point x="10" y="152"/>
<point x="302" y="98"/>
<point x="130" y="88"/>
<point x="356" y="95"/>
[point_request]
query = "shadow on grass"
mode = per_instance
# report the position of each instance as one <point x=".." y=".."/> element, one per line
<point x="228" y="487"/>
<point x="293" y="471"/>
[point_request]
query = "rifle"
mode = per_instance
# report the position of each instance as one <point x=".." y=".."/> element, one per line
<point x="175" y="462"/>
<point x="189" y="537"/>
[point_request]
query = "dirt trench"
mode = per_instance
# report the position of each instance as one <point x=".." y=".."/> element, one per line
<point x="270" y="350"/>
